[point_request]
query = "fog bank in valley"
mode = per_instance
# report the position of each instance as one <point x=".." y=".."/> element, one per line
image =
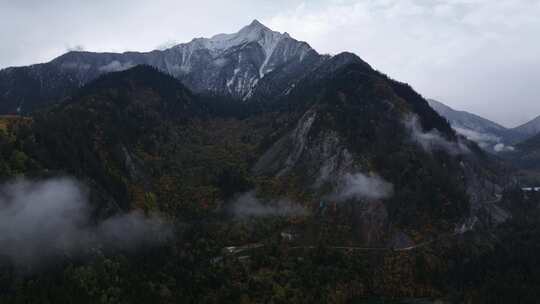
<point x="44" y="220"/>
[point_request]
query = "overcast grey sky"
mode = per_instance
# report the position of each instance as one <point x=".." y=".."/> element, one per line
<point x="477" y="55"/>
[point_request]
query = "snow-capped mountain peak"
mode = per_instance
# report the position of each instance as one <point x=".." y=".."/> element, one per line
<point x="221" y="44"/>
<point x="243" y="58"/>
<point x="254" y="32"/>
<point x="236" y="65"/>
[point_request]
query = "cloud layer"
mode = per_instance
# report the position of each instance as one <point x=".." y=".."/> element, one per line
<point x="485" y="140"/>
<point x="116" y="66"/>
<point x="361" y="186"/>
<point x="49" y="219"/>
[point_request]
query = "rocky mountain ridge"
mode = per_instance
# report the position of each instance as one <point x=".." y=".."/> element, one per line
<point x="238" y="65"/>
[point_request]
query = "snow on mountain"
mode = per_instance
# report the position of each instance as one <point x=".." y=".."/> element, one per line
<point x="219" y="44"/>
<point x="255" y="32"/>
<point x="255" y="61"/>
<point x="232" y="64"/>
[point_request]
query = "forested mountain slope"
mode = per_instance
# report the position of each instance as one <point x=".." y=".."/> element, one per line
<point x="345" y="186"/>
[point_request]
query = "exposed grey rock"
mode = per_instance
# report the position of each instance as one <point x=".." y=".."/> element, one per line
<point x="322" y="157"/>
<point x="285" y="153"/>
<point x="335" y="159"/>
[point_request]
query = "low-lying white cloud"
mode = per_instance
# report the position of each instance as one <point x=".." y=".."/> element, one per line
<point x="361" y="186"/>
<point x="40" y="220"/>
<point x="432" y="140"/>
<point x="116" y="66"/>
<point x="485" y="140"/>
<point x="76" y="48"/>
<point x="500" y="147"/>
<point x="248" y="205"/>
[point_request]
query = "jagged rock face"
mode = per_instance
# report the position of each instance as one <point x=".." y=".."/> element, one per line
<point x="322" y="157"/>
<point x="484" y="188"/>
<point x="334" y="160"/>
<point x="232" y="65"/>
<point x="285" y="153"/>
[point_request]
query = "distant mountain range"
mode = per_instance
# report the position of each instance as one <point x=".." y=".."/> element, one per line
<point x="255" y="63"/>
<point x="530" y="128"/>
<point x="489" y="135"/>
